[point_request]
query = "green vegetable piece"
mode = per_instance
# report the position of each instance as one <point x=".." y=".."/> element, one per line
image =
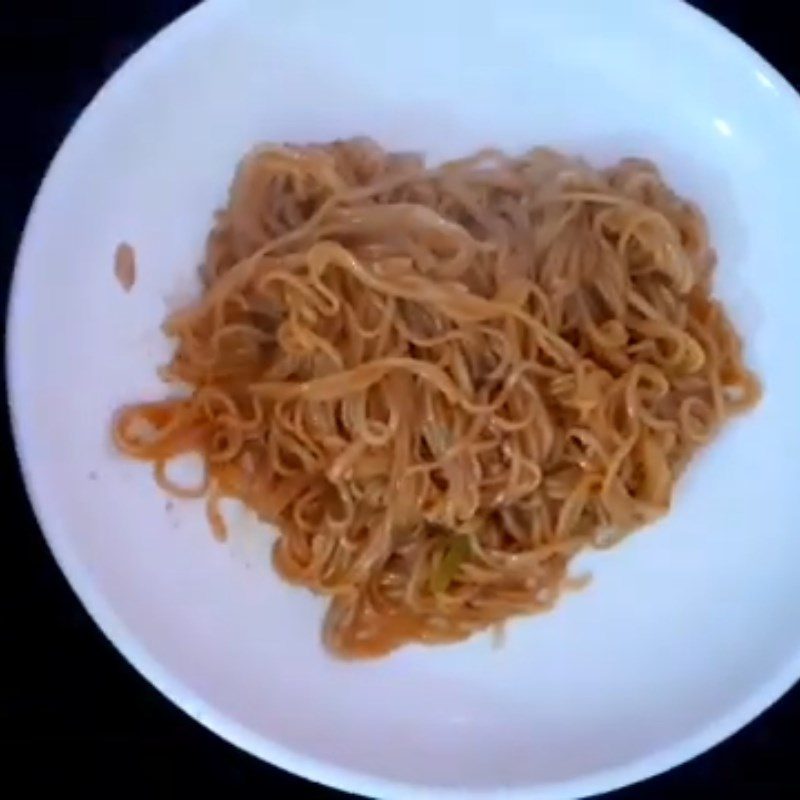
<point x="458" y="551"/>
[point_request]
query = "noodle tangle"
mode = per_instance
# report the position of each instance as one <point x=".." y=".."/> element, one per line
<point x="440" y="384"/>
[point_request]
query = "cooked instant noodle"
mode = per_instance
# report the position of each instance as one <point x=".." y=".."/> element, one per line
<point x="125" y="266"/>
<point x="440" y="384"/>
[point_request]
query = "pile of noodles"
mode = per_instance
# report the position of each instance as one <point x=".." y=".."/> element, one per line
<point x="441" y="384"/>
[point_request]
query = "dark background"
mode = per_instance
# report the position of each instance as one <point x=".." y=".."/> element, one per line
<point x="73" y="714"/>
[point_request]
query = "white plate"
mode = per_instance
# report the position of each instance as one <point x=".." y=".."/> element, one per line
<point x="690" y="628"/>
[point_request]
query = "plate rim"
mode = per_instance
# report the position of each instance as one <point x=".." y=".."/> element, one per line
<point x="169" y="684"/>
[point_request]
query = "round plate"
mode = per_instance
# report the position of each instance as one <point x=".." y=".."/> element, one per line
<point x="689" y="629"/>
